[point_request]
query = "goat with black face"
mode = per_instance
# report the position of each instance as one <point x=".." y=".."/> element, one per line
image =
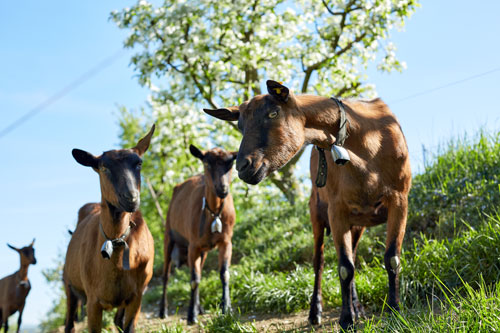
<point x="200" y="217"/>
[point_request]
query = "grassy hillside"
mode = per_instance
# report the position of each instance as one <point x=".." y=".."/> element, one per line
<point x="450" y="258"/>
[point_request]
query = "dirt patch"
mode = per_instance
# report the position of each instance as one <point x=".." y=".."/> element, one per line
<point x="295" y="322"/>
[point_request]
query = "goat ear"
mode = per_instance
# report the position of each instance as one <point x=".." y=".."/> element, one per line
<point x="234" y="155"/>
<point x="196" y="152"/>
<point x="277" y="90"/>
<point x="13" y="248"/>
<point x="143" y="143"/>
<point x="33" y="242"/>
<point x="228" y="114"/>
<point x="85" y="159"/>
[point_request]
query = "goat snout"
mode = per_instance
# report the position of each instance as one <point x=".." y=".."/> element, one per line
<point x="131" y="196"/>
<point x="243" y="164"/>
<point x="130" y="200"/>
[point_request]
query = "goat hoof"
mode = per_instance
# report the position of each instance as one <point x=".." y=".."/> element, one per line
<point x="346" y="322"/>
<point x="162" y="315"/>
<point x="192" y="321"/>
<point x="315" y="319"/>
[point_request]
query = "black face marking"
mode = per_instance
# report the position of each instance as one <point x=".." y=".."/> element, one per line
<point x="123" y="170"/>
<point x="218" y="168"/>
<point x="29" y="253"/>
<point x="261" y="123"/>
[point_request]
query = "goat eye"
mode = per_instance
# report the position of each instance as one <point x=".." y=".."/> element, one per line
<point x="104" y="169"/>
<point x="273" y="114"/>
<point x="139" y="166"/>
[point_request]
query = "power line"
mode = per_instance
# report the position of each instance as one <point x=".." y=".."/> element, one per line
<point x="428" y="91"/>
<point x="64" y="91"/>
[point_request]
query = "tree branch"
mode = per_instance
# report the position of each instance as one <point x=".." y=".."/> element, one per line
<point x="155" y="199"/>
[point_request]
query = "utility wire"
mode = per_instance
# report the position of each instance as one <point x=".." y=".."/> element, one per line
<point x="64" y="91"/>
<point x="428" y="91"/>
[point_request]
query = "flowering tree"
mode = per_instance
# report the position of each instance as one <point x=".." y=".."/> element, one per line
<point x="211" y="53"/>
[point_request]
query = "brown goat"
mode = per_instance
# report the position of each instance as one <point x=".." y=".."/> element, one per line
<point x="371" y="189"/>
<point x="15" y="288"/>
<point x="117" y="222"/>
<point x="196" y="205"/>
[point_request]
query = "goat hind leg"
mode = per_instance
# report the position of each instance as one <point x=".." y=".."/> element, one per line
<point x="169" y="247"/>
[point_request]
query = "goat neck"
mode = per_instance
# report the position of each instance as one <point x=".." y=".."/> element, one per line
<point x="322" y="119"/>
<point x="212" y="200"/>
<point x="22" y="274"/>
<point x="114" y="220"/>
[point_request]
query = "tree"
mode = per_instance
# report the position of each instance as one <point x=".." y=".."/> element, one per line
<point x="211" y="53"/>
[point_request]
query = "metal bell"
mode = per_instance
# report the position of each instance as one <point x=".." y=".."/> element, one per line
<point x="107" y="249"/>
<point x="340" y="155"/>
<point x="216" y="225"/>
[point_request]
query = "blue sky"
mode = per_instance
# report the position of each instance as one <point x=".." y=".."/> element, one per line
<point x="47" y="44"/>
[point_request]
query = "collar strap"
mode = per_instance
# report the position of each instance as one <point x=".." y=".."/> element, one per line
<point x="214" y="215"/>
<point x="205" y="206"/>
<point x="341" y="137"/>
<point x="112" y="244"/>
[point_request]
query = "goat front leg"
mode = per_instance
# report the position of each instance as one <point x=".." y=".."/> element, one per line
<point x="356" y="233"/>
<point x="19" y="319"/>
<point x="341" y="232"/>
<point x="118" y="320"/>
<point x="396" y="224"/>
<point x="94" y="316"/>
<point x="318" y="262"/>
<point x="71" y="308"/>
<point x="5" y="319"/>
<point x="225" y="251"/>
<point x="194" y="258"/>
<point x="132" y="311"/>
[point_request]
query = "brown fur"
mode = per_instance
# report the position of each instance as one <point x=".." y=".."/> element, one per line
<point x="371" y="189"/>
<point x="104" y="284"/>
<point x="15" y="288"/>
<point x="183" y="227"/>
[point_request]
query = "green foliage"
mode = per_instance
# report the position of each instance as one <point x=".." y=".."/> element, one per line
<point x="219" y="51"/>
<point x="474" y="307"/>
<point x="459" y="189"/>
<point x="227" y="323"/>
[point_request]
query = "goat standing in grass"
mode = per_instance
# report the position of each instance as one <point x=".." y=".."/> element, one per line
<point x="201" y="216"/>
<point x="109" y="260"/>
<point x="15" y="288"/>
<point x="369" y="190"/>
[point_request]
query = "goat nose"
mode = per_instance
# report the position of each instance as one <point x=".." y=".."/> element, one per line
<point x="243" y="163"/>
<point x="132" y="196"/>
